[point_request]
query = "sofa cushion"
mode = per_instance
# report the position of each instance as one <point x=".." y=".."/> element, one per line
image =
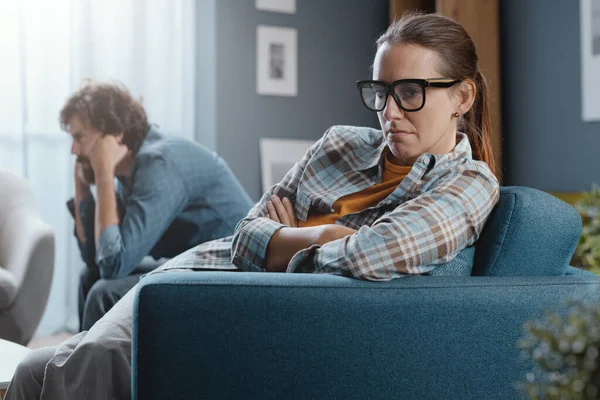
<point x="461" y="265"/>
<point x="529" y="232"/>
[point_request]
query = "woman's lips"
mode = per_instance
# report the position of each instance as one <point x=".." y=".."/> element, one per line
<point x="397" y="134"/>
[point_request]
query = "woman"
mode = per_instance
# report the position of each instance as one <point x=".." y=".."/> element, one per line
<point x="364" y="203"/>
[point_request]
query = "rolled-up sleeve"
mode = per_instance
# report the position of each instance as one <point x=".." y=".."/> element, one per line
<point x="158" y="195"/>
<point x="413" y="238"/>
<point x="253" y="233"/>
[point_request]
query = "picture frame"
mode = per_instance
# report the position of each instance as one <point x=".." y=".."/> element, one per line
<point x="278" y="156"/>
<point x="590" y="59"/>
<point x="276" y="61"/>
<point x="281" y="6"/>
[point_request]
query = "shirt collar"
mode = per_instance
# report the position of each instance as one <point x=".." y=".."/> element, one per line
<point x="372" y="156"/>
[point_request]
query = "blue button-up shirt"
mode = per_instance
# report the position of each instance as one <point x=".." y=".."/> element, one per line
<point x="179" y="194"/>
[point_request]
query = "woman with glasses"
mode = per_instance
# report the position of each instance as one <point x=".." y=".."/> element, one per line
<point x="365" y="203"/>
<point x="403" y="200"/>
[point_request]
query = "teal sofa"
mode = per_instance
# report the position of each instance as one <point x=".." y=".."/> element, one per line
<point x="222" y="335"/>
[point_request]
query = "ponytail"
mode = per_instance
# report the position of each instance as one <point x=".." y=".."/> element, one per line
<point x="477" y="124"/>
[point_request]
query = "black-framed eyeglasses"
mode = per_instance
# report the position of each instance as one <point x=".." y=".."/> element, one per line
<point x="409" y="94"/>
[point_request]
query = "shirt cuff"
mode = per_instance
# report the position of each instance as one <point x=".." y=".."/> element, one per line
<point x="302" y="261"/>
<point x="326" y="258"/>
<point x="109" y="245"/>
<point x="250" y="250"/>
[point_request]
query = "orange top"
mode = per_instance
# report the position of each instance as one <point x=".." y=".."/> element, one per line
<point x="355" y="202"/>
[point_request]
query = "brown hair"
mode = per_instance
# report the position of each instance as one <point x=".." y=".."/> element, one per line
<point x="110" y="108"/>
<point x="459" y="60"/>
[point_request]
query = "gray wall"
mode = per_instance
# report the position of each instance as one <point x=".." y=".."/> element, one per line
<point x="206" y="71"/>
<point x="547" y="145"/>
<point x="335" y="48"/>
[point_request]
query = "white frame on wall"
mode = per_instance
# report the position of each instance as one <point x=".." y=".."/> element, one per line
<point x="276" y="61"/>
<point x="589" y="13"/>
<point x="282" y="6"/>
<point x="278" y="156"/>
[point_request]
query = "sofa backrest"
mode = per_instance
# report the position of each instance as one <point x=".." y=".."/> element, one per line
<point x="529" y="232"/>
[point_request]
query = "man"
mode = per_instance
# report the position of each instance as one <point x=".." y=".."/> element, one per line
<point x="169" y="195"/>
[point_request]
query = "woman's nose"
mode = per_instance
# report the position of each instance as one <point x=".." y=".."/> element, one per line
<point x="392" y="110"/>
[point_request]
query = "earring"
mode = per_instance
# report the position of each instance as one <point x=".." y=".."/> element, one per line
<point x="456" y="114"/>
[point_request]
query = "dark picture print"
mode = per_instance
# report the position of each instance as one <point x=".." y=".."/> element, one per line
<point x="276" y="61"/>
<point x="596" y="27"/>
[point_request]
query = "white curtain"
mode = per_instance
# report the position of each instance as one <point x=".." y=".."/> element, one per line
<point x="46" y="49"/>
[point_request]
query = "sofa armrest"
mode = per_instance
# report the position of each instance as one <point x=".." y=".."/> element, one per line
<point x="527" y="228"/>
<point x="274" y="336"/>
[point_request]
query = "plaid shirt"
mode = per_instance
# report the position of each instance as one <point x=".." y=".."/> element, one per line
<point x="436" y="211"/>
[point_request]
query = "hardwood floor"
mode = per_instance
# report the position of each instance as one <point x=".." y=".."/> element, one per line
<point x="53" y="340"/>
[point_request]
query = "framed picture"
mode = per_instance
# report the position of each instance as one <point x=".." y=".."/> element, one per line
<point x="589" y="12"/>
<point x="282" y="6"/>
<point x="278" y="156"/>
<point x="276" y="61"/>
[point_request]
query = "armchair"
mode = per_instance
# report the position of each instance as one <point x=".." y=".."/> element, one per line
<point x="26" y="260"/>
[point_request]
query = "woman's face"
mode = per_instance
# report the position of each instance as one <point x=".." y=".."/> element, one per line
<point x="429" y="130"/>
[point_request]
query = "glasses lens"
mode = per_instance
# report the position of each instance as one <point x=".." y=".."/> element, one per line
<point x="373" y="95"/>
<point x="410" y="94"/>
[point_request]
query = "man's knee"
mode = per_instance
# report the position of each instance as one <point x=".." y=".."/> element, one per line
<point x="88" y="276"/>
<point x="104" y="289"/>
<point x="102" y="296"/>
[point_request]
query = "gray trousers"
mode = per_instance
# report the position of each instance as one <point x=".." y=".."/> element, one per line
<point x="97" y="296"/>
<point x="91" y="365"/>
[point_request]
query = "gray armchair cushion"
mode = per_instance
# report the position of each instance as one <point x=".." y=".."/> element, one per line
<point x="8" y="288"/>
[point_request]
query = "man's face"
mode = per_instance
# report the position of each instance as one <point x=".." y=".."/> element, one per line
<point x="84" y="137"/>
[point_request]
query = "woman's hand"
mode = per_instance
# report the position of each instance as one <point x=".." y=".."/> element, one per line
<point x="282" y="211"/>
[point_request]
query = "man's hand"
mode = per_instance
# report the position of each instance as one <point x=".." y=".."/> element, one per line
<point x="105" y="155"/>
<point x="84" y="176"/>
<point x="282" y="211"/>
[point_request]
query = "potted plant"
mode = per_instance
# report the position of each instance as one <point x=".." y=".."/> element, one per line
<point x="565" y="350"/>
<point x="587" y="253"/>
<point x="565" y="355"/>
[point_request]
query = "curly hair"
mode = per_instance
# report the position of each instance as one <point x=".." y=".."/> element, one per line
<point x="109" y="108"/>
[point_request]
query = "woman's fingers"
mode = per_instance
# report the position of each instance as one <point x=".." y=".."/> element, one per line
<point x="290" y="211"/>
<point x="281" y="211"/>
<point x="272" y="212"/>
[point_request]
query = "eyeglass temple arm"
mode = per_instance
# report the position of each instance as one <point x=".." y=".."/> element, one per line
<point x="441" y="82"/>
